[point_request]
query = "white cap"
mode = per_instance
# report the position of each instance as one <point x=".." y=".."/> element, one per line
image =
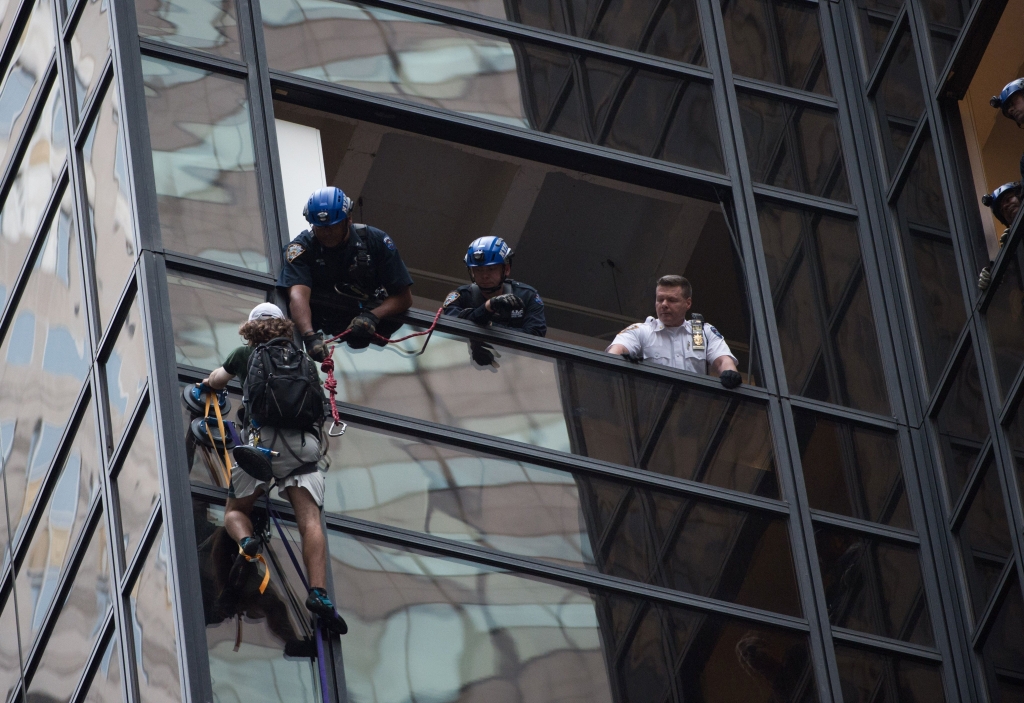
<point x="266" y="311"/>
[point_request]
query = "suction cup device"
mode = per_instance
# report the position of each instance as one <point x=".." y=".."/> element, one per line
<point x="199" y="426"/>
<point x="196" y="401"/>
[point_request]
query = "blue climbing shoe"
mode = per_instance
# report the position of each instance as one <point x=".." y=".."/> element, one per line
<point x="319" y="603"/>
<point x="249" y="545"/>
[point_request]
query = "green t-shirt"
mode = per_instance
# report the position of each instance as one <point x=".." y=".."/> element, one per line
<point x="237" y="363"/>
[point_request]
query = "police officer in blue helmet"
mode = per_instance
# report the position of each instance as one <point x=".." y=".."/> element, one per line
<point x="343" y="276"/>
<point x="493" y="298"/>
<point x="1005" y="203"/>
<point x="1011" y="101"/>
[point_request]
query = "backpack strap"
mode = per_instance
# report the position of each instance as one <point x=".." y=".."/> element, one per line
<point x="361" y="269"/>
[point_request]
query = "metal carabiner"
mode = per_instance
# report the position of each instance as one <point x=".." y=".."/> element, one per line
<point x="331" y="433"/>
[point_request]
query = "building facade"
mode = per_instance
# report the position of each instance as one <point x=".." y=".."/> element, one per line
<point x="561" y="525"/>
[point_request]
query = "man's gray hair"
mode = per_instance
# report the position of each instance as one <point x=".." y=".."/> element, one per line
<point x="676" y="282"/>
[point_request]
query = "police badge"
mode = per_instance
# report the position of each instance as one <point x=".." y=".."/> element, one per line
<point x="451" y="298"/>
<point x="697" y="325"/>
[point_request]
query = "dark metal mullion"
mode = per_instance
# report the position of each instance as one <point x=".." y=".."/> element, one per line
<point x="786" y="92"/>
<point x="962" y="503"/>
<point x="805" y="200"/>
<point x="837" y="411"/>
<point x="987" y="617"/>
<point x="651" y="441"/>
<point x="905" y="538"/>
<point x="614" y="105"/>
<point x="192" y="57"/>
<point x="948" y="374"/>
<point x="886" y="645"/>
<point x="564" y="93"/>
<point x="89" y="111"/>
<point x="129" y="575"/>
<point x="670" y="117"/>
<point x="184" y="263"/>
<point x="887" y="50"/>
<point x="107" y="630"/>
<point x="1009" y="251"/>
<point x="908" y="159"/>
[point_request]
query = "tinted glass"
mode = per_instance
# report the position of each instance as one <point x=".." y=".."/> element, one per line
<point x="984" y="537"/>
<point x="1015" y="434"/>
<point x="669" y="29"/>
<point x="126" y="371"/>
<point x="152" y="620"/>
<point x="1006" y="324"/>
<point x="111" y="225"/>
<point x="852" y="470"/>
<point x="962" y="425"/>
<point x="29" y="194"/>
<point x="822" y="309"/>
<point x="872" y="677"/>
<point x="105" y="686"/>
<point x="876" y="19"/>
<point x="205" y="316"/>
<point x="78" y="625"/>
<point x="1003" y="649"/>
<point x="90" y="45"/>
<point x="507" y="81"/>
<point x="945" y="18"/>
<point x="570" y="407"/>
<point x="873" y="586"/>
<point x="460" y="631"/>
<point x="138" y="485"/>
<point x="44" y="360"/>
<point x="204" y="164"/>
<point x="8" y="15"/>
<point x="517" y="507"/>
<point x="10" y="657"/>
<point x="931" y="264"/>
<point x="59" y="527"/>
<point x="205" y="25"/>
<point x="777" y="41"/>
<point x="899" y="101"/>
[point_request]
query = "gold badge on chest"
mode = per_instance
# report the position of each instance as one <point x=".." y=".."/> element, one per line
<point x="697" y="327"/>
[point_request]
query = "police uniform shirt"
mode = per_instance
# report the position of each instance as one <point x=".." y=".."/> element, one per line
<point x="673" y="346"/>
<point x="309" y="263"/>
<point x="461" y="303"/>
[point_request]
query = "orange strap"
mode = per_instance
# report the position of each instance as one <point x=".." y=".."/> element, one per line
<point x="266" y="569"/>
<point x="223" y="436"/>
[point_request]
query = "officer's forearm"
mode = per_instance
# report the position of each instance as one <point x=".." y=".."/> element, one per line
<point x="394" y="304"/>
<point x="723" y="363"/>
<point x="298" y="308"/>
<point x="617" y="349"/>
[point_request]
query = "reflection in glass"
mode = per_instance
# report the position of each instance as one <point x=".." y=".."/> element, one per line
<point x="58" y="529"/>
<point x="138" y="485"/>
<point x="1015" y="435"/>
<point x="1002" y="651"/>
<point x="776" y="41"/>
<point x="873" y="586"/>
<point x="78" y="625"/>
<point x="984" y="537"/>
<point x="126" y="371"/>
<point x="931" y="264"/>
<point x="571" y="407"/>
<point x="793" y="146"/>
<point x="90" y="45"/>
<point x="204" y="164"/>
<point x="962" y="425"/>
<point x="872" y="677"/>
<point x="899" y="102"/>
<point x="462" y="631"/>
<point x="30" y="191"/>
<point x="10" y="657"/>
<point x="507" y="81"/>
<point x="852" y="470"/>
<point x="105" y="686"/>
<point x="1005" y="315"/>
<point x="111" y="225"/>
<point x="152" y="613"/>
<point x="205" y="25"/>
<point x="822" y="309"/>
<point x="876" y="19"/>
<point x="205" y="316"/>
<point x="945" y="18"/>
<point x="261" y="645"/>
<point x="44" y="360"/>
<point x="636" y="533"/>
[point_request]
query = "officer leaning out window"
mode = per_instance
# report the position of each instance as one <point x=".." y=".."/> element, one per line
<point x="1011" y="102"/>
<point x="672" y="340"/>
<point x="493" y="298"/>
<point x="1005" y="202"/>
<point x="343" y="276"/>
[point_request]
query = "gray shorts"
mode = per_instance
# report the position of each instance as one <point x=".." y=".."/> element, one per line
<point x="243" y="485"/>
<point x="297" y="450"/>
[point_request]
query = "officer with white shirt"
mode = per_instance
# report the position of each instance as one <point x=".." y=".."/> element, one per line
<point x="672" y="340"/>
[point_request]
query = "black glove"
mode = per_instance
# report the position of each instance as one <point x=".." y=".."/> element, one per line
<point x="632" y="357"/>
<point x="483" y="354"/>
<point x="363" y="325"/>
<point x="505" y="305"/>
<point x="730" y="378"/>
<point x="314" y="344"/>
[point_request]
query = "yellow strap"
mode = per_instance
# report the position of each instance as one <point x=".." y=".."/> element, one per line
<point x="266" y="569"/>
<point x="220" y="424"/>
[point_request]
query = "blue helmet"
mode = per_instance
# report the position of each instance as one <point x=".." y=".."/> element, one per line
<point x="487" y="251"/>
<point x="991" y="200"/>
<point x="1003" y="98"/>
<point x="327" y="206"/>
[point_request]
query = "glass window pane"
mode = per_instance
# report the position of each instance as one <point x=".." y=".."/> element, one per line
<point x="873" y="677"/>
<point x="30" y="191"/>
<point x="899" y="102"/>
<point x="1015" y="434"/>
<point x="58" y="529"/>
<point x="820" y="293"/>
<point x="852" y="470"/>
<point x="205" y="25"/>
<point x="78" y="625"/>
<point x="984" y="537"/>
<point x="454" y="630"/>
<point x="105" y="686"/>
<point x="529" y="510"/>
<point x="204" y="164"/>
<point x="962" y="425"/>
<point x="777" y="41"/>
<point x="10" y="657"/>
<point x="44" y="360"/>
<point x="945" y="18"/>
<point x="1002" y="651"/>
<point x="152" y="612"/>
<point x="111" y="225"/>
<point x="126" y="371"/>
<point x="138" y="485"/>
<point x="876" y="20"/>
<point x="507" y="81"/>
<point x="205" y="316"/>
<point x="873" y="586"/>
<point x="90" y="45"/>
<point x="1005" y="315"/>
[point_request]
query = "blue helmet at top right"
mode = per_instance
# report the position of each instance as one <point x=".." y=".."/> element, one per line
<point x="488" y="251"/>
<point x="1003" y="99"/>
<point x="991" y="200"/>
<point x="327" y="206"/>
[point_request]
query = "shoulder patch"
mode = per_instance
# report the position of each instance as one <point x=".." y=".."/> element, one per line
<point x="712" y="328"/>
<point x="451" y="298"/>
<point x="634" y="326"/>
<point x="293" y="251"/>
<point x="539" y="301"/>
<point x="389" y="243"/>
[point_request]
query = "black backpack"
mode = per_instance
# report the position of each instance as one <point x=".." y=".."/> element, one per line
<point x="283" y="387"/>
